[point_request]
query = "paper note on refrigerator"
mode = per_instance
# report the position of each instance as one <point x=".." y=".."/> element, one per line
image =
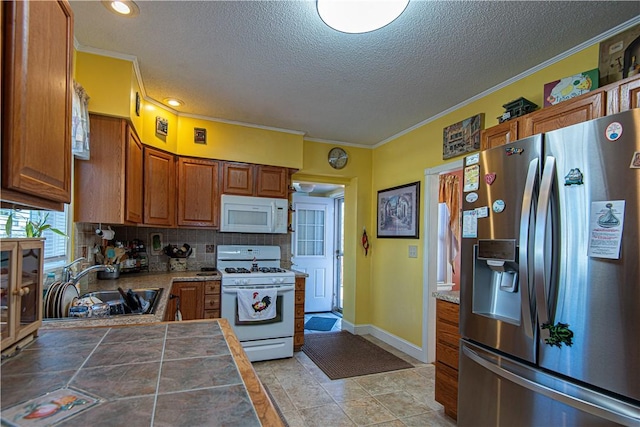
<point x="471" y="178"/>
<point x="606" y="221"/>
<point x="470" y="224"/>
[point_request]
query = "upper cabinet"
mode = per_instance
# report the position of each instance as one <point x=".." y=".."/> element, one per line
<point x="254" y="180"/>
<point x="159" y="188"/>
<point x="610" y="99"/>
<point x="198" y="192"/>
<point x="37" y="55"/>
<point x="589" y="106"/>
<point x="108" y="186"/>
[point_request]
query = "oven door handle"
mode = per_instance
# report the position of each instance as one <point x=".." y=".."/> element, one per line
<point x="280" y="288"/>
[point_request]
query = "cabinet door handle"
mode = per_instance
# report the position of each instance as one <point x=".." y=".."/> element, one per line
<point x="22" y="291"/>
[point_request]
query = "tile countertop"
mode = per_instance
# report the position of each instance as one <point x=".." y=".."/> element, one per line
<point x="133" y="281"/>
<point x="451" y="296"/>
<point x="164" y="374"/>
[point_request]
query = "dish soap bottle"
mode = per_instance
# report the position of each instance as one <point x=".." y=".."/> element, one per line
<point x="48" y="281"/>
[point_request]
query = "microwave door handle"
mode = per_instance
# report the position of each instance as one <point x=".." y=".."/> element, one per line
<point x="273" y="216"/>
<point x="542" y="214"/>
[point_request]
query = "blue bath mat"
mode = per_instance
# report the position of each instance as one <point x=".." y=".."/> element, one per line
<point x="320" y="323"/>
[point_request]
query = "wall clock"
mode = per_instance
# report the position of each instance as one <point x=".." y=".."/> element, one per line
<point x="338" y="158"/>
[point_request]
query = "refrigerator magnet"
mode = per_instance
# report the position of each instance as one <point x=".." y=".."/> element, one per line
<point x="606" y="221"/>
<point x="574" y="177"/>
<point x="613" y="132"/>
<point x="471" y="178"/>
<point x="498" y="206"/>
<point x="490" y="178"/>
<point x="513" y="150"/>
<point x="471" y="197"/>
<point x="470" y="224"/>
<point x="472" y="159"/>
<point x="482" y="212"/>
<point x="635" y="161"/>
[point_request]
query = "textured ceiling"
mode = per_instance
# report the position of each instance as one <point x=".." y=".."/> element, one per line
<point x="275" y="63"/>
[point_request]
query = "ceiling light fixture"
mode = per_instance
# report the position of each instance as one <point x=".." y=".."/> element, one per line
<point x="173" y="102"/>
<point x="359" y="16"/>
<point x="123" y="7"/>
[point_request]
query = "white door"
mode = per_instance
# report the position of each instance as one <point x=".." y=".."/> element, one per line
<point x="313" y="249"/>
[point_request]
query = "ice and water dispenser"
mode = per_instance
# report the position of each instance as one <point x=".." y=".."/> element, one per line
<point x="496" y="293"/>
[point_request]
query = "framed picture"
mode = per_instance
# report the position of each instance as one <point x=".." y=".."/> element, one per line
<point x="462" y="137"/>
<point x="200" y="135"/>
<point x="570" y="87"/>
<point x="162" y="126"/>
<point x="398" y="211"/>
<point x="617" y="54"/>
<point x="155" y="243"/>
<point x="137" y="104"/>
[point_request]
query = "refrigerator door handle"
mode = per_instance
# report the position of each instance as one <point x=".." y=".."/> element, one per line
<point x="580" y="398"/>
<point x="540" y="273"/>
<point x="525" y="221"/>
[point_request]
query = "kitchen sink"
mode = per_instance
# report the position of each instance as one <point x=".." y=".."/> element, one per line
<point x="118" y="306"/>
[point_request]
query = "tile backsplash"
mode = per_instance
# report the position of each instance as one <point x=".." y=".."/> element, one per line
<point x="204" y="243"/>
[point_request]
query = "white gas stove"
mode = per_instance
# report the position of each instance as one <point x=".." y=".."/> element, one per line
<point x="258" y="268"/>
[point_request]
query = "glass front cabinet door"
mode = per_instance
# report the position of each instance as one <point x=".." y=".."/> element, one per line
<point x="21" y="265"/>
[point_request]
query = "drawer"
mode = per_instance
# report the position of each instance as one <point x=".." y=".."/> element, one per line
<point x="299" y="298"/>
<point x="300" y="284"/>
<point x="299" y="311"/>
<point x="299" y="325"/>
<point x="448" y="312"/>
<point x="211" y="302"/>
<point x="446" y="391"/>
<point x="212" y="287"/>
<point x="211" y="314"/>
<point x="447" y="355"/>
<point x="442" y="326"/>
<point x="449" y="339"/>
<point x="298" y="340"/>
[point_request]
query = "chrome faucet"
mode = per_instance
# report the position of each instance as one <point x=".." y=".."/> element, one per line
<point x="76" y="278"/>
<point x="68" y="276"/>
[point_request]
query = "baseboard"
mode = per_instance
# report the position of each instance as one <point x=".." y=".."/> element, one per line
<point x="386" y="337"/>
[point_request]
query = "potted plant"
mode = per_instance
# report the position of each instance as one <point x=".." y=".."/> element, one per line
<point x="32" y="228"/>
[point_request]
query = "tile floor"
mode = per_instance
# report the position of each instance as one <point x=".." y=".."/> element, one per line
<point x="307" y="397"/>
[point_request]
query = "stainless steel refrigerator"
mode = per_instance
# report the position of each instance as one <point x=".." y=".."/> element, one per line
<point x="550" y="280"/>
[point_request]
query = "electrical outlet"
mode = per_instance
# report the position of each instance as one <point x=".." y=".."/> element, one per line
<point x="413" y="251"/>
<point x="193" y="251"/>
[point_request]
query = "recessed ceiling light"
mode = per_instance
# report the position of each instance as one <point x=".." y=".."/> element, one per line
<point x="174" y="102"/>
<point x="122" y="7"/>
<point x="353" y="16"/>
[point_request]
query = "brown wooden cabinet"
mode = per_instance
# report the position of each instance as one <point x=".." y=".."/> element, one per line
<point x="20" y="290"/>
<point x="237" y="178"/>
<point x="271" y="181"/>
<point x="581" y="109"/>
<point x="607" y="100"/>
<point x="245" y="179"/>
<point x="447" y="347"/>
<point x="108" y="186"/>
<point x="298" y="332"/>
<point x="211" y="299"/>
<point x="198" y="192"/>
<point x="198" y="300"/>
<point x="37" y="51"/>
<point x="159" y="188"/>
<point x="501" y="134"/>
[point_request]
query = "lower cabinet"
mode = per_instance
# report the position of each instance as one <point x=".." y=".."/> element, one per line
<point x="447" y="347"/>
<point x="198" y="300"/>
<point x="298" y="333"/>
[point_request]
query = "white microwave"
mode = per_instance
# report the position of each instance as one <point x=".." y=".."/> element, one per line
<point x="245" y="214"/>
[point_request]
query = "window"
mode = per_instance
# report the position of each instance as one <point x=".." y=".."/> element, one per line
<point x="55" y="246"/>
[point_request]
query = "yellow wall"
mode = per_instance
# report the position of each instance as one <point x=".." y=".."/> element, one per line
<point x="112" y="85"/>
<point x="397" y="280"/>
<point x="356" y="177"/>
<point x="107" y="82"/>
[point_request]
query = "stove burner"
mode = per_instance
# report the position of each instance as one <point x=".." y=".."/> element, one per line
<point x="236" y="270"/>
<point x="271" y="270"/>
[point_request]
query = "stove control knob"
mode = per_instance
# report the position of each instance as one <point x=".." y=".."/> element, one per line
<point x="245" y="281"/>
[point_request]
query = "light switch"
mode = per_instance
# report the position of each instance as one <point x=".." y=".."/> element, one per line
<point x="413" y="251"/>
